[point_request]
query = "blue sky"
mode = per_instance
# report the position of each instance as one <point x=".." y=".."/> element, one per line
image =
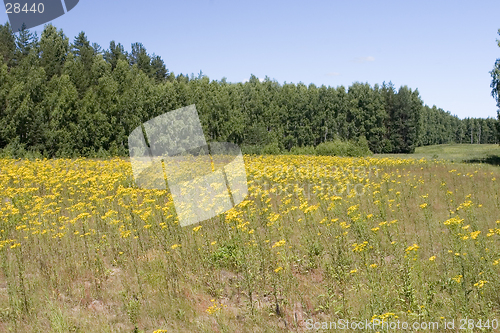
<point x="443" y="48"/>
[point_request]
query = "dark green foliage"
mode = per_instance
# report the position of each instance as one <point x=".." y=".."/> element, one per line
<point x="60" y="118"/>
<point x="403" y="119"/>
<point x="140" y="57"/>
<point x="158" y="70"/>
<point x="54" y="48"/>
<point x="271" y="149"/>
<point x="308" y="150"/>
<point x="96" y="48"/>
<point x="337" y="147"/>
<point x="25" y="42"/>
<point x="79" y="63"/>
<point x="367" y="114"/>
<point x="7" y="45"/>
<point x="116" y="52"/>
<point x="62" y="100"/>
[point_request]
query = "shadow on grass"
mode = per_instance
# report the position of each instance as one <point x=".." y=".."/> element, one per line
<point x="491" y="159"/>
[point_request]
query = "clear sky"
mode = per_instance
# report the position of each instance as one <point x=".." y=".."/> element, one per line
<point x="443" y="48"/>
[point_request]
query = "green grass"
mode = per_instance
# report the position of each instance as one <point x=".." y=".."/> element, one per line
<point x="468" y="153"/>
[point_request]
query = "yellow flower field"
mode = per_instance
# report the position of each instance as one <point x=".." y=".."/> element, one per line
<point x="82" y="249"/>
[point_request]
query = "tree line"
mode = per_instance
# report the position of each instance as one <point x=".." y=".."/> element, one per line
<point x="62" y="98"/>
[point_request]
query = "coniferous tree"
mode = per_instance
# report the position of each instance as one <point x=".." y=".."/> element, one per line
<point x="82" y="49"/>
<point x="116" y="52"/>
<point x="158" y="70"/>
<point x="25" y="42"/>
<point x="369" y="114"/>
<point x="341" y="110"/>
<point x="323" y="121"/>
<point x="7" y="45"/>
<point x="54" y="48"/>
<point x="389" y="96"/>
<point x="140" y="57"/>
<point x="97" y="49"/>
<point x="79" y="63"/>
<point x="406" y="114"/>
<point x="60" y="118"/>
<point x="5" y="87"/>
<point x="23" y="117"/>
<point x="273" y="112"/>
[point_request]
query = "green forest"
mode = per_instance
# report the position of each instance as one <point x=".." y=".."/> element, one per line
<point x="65" y="99"/>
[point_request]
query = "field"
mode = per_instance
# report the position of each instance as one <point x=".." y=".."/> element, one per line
<point x="468" y="153"/>
<point x="318" y="239"/>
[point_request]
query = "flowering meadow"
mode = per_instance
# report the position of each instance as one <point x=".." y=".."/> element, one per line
<point x="83" y="249"/>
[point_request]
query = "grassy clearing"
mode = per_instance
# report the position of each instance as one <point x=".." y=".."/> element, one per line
<point x="469" y="153"/>
<point x="322" y="238"/>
